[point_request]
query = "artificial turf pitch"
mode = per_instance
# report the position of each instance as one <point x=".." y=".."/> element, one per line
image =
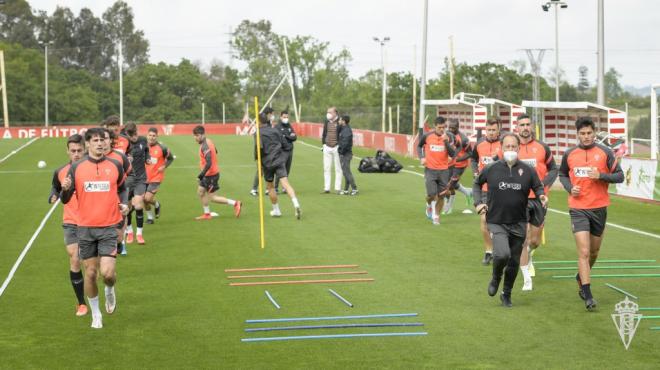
<point x="176" y="310"/>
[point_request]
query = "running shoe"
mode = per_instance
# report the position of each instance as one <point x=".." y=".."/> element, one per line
<point x="157" y="209"/>
<point x="124" y="251"/>
<point x="298" y="213"/>
<point x="355" y="192"/>
<point x="275" y="213"/>
<point x="205" y="216"/>
<point x="590" y="304"/>
<point x="506" y="300"/>
<point x="493" y="286"/>
<point x="527" y="285"/>
<point x="429" y="213"/>
<point x="488" y="258"/>
<point x="81" y="310"/>
<point x="110" y="303"/>
<point x="140" y="239"/>
<point x="129" y="238"/>
<point x="150" y="221"/>
<point x="97" y="322"/>
<point x="237" y="208"/>
<point x="253" y="192"/>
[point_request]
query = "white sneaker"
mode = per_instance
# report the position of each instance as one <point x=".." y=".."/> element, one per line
<point x="97" y="322"/>
<point x="527" y="285"/>
<point x="274" y="213"/>
<point x="110" y="303"/>
<point x="436" y="220"/>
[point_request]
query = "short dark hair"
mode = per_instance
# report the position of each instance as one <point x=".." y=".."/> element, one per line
<point x="440" y="120"/>
<point x="268" y="110"/>
<point x="582" y="122"/>
<point x="346" y="118"/>
<point x="94" y="131"/>
<point x="75" y="139"/>
<point x="510" y="135"/>
<point x="112" y="120"/>
<point x="523" y="116"/>
<point x="130" y="129"/>
<point x="199" y="130"/>
<point x="263" y="118"/>
<point x="494" y="121"/>
<point x="154" y="130"/>
<point x="284" y="112"/>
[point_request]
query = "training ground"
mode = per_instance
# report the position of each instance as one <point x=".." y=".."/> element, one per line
<point x="176" y="310"/>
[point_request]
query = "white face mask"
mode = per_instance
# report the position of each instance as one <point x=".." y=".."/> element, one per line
<point x="329" y="116"/>
<point x="510" y="156"/>
<point x="285" y="120"/>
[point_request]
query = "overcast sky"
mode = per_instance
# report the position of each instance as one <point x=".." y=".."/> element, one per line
<point x="483" y="31"/>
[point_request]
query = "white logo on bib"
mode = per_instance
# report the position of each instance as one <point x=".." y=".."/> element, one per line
<point x="97" y="186"/>
<point x="486" y="160"/>
<point x="581" y="171"/>
<point x="437" y="148"/>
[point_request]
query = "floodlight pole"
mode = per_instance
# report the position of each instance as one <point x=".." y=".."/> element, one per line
<point x="422" y="92"/>
<point x="3" y="87"/>
<point x="120" y="64"/>
<point x="382" y="63"/>
<point x="654" y="122"/>
<point x="601" y="54"/>
<point x="557" y="4"/>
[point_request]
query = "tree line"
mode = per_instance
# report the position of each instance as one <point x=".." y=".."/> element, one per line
<point x="83" y="74"/>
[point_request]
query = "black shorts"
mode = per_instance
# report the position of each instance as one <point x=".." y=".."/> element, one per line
<point x="270" y="173"/>
<point x="70" y="234"/>
<point x="153" y="187"/>
<point x="436" y="181"/>
<point x="591" y="220"/>
<point x="97" y="242"/>
<point x="536" y="212"/>
<point x="135" y="187"/>
<point x="210" y="183"/>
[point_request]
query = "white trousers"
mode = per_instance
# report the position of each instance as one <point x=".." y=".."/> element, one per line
<point x="330" y="156"/>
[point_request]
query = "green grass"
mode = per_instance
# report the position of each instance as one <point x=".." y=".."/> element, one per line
<point x="176" y="310"/>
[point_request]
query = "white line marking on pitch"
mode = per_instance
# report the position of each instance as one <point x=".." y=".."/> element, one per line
<point x="640" y="232"/>
<point x="27" y="248"/>
<point x="18" y="150"/>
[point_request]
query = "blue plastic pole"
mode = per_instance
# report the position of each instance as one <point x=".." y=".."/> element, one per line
<point x="333" y="336"/>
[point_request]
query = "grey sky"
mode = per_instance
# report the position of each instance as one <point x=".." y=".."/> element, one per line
<point x="484" y="30"/>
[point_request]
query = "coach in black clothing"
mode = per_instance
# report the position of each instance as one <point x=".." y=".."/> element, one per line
<point x="284" y="127"/>
<point x="509" y="183"/>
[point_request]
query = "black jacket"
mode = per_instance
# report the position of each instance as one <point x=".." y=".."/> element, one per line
<point x="508" y="191"/>
<point x="345" y="140"/>
<point x="289" y="135"/>
<point x="272" y="141"/>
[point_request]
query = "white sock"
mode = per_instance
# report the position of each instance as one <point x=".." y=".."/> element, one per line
<point x="451" y="201"/>
<point x="150" y="215"/>
<point x="276" y="207"/>
<point x="525" y="272"/>
<point x="295" y="202"/>
<point x="231" y="202"/>
<point x="129" y="230"/>
<point x="433" y="204"/>
<point x="94" y="305"/>
<point x="139" y="231"/>
<point x="109" y="290"/>
<point x="207" y="209"/>
<point x="464" y="190"/>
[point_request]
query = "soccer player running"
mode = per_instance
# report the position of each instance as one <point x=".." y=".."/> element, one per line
<point x="121" y="142"/>
<point x="434" y="150"/>
<point x="160" y="158"/>
<point x="287" y="145"/>
<point x="508" y="183"/>
<point x="486" y="151"/>
<point x="97" y="182"/>
<point x="209" y="176"/>
<point x="457" y="165"/>
<point x="75" y="149"/>
<point x="136" y="181"/>
<point x="585" y="172"/>
<point x="109" y="140"/>
<point x="273" y="161"/>
<point x="537" y="155"/>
